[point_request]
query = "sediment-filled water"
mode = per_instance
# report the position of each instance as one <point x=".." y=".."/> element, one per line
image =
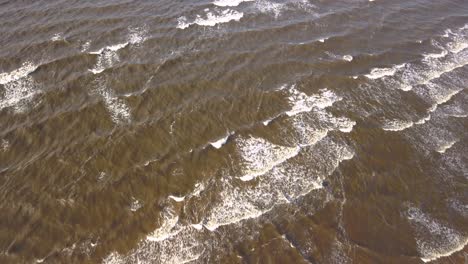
<point x="233" y="131"/>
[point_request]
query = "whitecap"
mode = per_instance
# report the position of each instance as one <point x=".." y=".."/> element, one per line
<point x="117" y="108"/>
<point x="220" y="142"/>
<point x="378" y="73"/>
<point x="177" y="198"/>
<point x="301" y="102"/>
<point x="211" y="18"/>
<point x="441" y="54"/>
<point x="266" y="122"/>
<point x="347" y="57"/>
<point x="259" y="156"/>
<point x="137" y="35"/>
<point x="5" y="145"/>
<point x="230" y="2"/>
<point x="397" y="125"/>
<point x="167" y="228"/>
<point x="434" y="239"/>
<point x="23" y="71"/>
<point x="135" y="205"/>
<point x="423" y="120"/>
<point x="57" y="37"/>
<point x="19" y="93"/>
<point x="269" y="7"/>
<point x="445" y="146"/>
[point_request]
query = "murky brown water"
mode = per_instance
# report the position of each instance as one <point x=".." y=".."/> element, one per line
<point x="230" y="131"/>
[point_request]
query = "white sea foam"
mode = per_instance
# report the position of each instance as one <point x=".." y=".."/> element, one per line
<point x="459" y="207"/>
<point x="5" y="145"/>
<point x="443" y="98"/>
<point x="117" y="108"/>
<point x="230" y="2"/>
<point x="137" y="35"/>
<point x="168" y="227"/>
<point x="107" y="57"/>
<point x="451" y="57"/>
<point x="23" y="71"/>
<point x="288" y="241"/>
<point x="438" y="55"/>
<point x="378" y="73"/>
<point x="220" y="142"/>
<point x="211" y="18"/>
<point x="301" y="102"/>
<point x="423" y="120"/>
<point x="259" y="156"/>
<point x="177" y="198"/>
<point x="57" y="37"/>
<point x="267" y="122"/>
<point x="199" y="188"/>
<point x="439" y="99"/>
<point x="237" y="204"/>
<point x="445" y="146"/>
<point x="180" y="247"/>
<point x="85" y="46"/>
<point x="397" y="125"/>
<point x="284" y="182"/>
<point x="135" y="205"/>
<point x="347" y="57"/>
<point x="198" y="226"/>
<point x="434" y="239"/>
<point x="176" y="243"/>
<point x="18" y="94"/>
<point x="265" y="6"/>
<point x="114" y="48"/>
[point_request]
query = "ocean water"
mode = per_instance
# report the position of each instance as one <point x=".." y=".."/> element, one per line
<point x="233" y="131"/>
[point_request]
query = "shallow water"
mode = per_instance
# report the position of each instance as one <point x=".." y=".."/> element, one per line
<point x="230" y="131"/>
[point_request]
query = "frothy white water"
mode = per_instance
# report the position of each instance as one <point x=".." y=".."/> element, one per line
<point x="117" y="108"/>
<point x="397" y="125"/>
<point x="168" y="227"/>
<point x="230" y="2"/>
<point x="237" y="204"/>
<point x="57" y="37"/>
<point x="267" y="122"/>
<point x="259" y="156"/>
<point x="439" y="100"/>
<point x="447" y="145"/>
<point x="220" y="142"/>
<point x="301" y="102"/>
<point x="108" y="55"/>
<point x="441" y="54"/>
<point x="23" y="71"/>
<point x="284" y="179"/>
<point x="137" y="35"/>
<point x="452" y="56"/>
<point x="270" y="7"/>
<point x="5" y="145"/>
<point x="177" y="198"/>
<point x="378" y="73"/>
<point x="347" y="57"/>
<point x="434" y="239"/>
<point x="18" y="94"/>
<point x="174" y="242"/>
<point x="114" y="48"/>
<point x="211" y="18"/>
<point x="135" y="205"/>
<point x="423" y="120"/>
<point x="85" y="46"/>
<point x="284" y="182"/>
